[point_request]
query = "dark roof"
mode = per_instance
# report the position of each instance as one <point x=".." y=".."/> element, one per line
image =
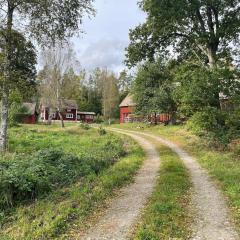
<point x="128" y="101"/>
<point x="31" y="107"/>
<point x="69" y="104"/>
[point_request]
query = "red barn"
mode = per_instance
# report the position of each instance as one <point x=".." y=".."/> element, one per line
<point x="127" y="108"/>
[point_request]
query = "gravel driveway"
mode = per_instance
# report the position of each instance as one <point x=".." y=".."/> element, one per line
<point x="119" y="218"/>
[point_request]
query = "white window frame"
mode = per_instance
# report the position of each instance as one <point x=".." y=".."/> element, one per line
<point x="69" y="115"/>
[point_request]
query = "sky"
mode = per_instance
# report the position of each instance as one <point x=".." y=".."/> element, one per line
<point x="106" y="35"/>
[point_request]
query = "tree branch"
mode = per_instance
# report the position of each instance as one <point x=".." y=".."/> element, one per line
<point x="199" y="16"/>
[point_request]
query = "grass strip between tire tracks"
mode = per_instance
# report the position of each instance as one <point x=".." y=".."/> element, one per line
<point x="167" y="213"/>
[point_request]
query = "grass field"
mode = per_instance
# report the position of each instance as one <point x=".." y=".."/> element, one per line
<point x="167" y="215"/>
<point x="223" y="166"/>
<point x="109" y="162"/>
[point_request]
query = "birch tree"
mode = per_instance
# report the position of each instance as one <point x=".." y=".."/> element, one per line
<point x="110" y="95"/>
<point x="58" y="62"/>
<point x="45" y="21"/>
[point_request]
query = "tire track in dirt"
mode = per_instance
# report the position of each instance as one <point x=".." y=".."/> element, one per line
<point x="212" y="220"/>
<point x="118" y="219"/>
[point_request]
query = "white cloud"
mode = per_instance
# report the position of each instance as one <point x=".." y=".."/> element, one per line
<point x="105" y="53"/>
<point x="106" y="36"/>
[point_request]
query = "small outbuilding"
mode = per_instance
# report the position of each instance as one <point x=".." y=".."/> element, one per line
<point x="87" y="117"/>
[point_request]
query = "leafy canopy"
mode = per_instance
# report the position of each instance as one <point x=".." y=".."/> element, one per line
<point x="153" y="88"/>
<point x="202" y="27"/>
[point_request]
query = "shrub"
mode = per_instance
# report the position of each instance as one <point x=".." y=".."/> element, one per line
<point x="27" y="177"/>
<point x="85" y="126"/>
<point x="208" y="120"/>
<point x="99" y="119"/>
<point x="234" y="146"/>
<point x="210" y="124"/>
<point x="233" y="124"/>
<point x="102" y="131"/>
<point x="217" y="128"/>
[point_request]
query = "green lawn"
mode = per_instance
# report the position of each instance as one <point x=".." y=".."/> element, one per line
<point x="166" y="215"/>
<point x="109" y="162"/>
<point x="223" y="166"/>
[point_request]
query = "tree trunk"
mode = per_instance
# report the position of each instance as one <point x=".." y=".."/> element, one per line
<point x="4" y="120"/>
<point x="211" y="57"/>
<point x="61" y="119"/>
<point x="7" y="78"/>
<point x="155" y="118"/>
<point x="212" y="64"/>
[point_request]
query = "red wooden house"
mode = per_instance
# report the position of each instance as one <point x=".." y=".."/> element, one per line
<point x="127" y="108"/>
<point x="69" y="112"/>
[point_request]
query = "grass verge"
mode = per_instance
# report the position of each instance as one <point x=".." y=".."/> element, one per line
<point x="166" y="216"/>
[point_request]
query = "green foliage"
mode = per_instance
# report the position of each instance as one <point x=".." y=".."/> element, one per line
<point x="210" y="124"/>
<point x="23" y="65"/>
<point x="84" y="126"/>
<point x="217" y="128"/>
<point x="101" y="131"/>
<point x="99" y="119"/>
<point x="197" y="88"/>
<point x="200" y="29"/>
<point x="70" y="208"/>
<point x="233" y="124"/>
<point x="209" y="120"/>
<point x="27" y="177"/>
<point x="153" y="89"/>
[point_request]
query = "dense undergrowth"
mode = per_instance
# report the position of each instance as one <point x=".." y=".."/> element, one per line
<point x="44" y="191"/>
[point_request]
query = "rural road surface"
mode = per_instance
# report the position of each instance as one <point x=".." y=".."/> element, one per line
<point x="212" y="220"/>
<point x="125" y="209"/>
<point x="211" y="216"/>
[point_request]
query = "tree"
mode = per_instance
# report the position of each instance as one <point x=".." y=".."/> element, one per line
<point x="59" y="62"/>
<point x="124" y="84"/>
<point x="206" y="28"/>
<point x="198" y="88"/>
<point x="44" y="20"/>
<point x="23" y="73"/>
<point x="153" y="89"/>
<point x="110" y="97"/>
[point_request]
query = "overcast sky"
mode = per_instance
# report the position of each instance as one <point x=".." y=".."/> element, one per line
<point x="106" y="35"/>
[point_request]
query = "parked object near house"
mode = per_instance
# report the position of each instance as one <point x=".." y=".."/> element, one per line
<point x="69" y="112"/>
<point x="31" y="115"/>
<point x="127" y="108"/>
